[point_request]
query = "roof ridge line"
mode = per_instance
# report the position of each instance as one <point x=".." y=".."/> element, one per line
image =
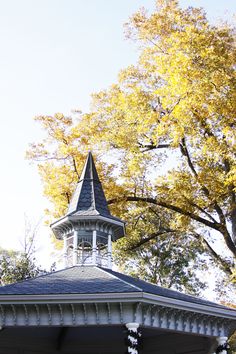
<point x="114" y="276"/>
<point x="92" y="183"/>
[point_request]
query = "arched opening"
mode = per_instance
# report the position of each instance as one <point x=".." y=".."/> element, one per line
<point x="84" y="252"/>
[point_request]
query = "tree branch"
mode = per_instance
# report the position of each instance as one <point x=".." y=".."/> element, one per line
<point x="75" y="167"/>
<point x="213" y="225"/>
<point x="149" y="238"/>
<point x="200" y="209"/>
<point x="152" y="146"/>
<point x="233" y="201"/>
<point x="215" y="255"/>
<point x="156" y="45"/>
<point x="184" y="150"/>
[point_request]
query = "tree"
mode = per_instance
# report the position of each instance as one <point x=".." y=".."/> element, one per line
<point x="175" y="108"/>
<point x="20" y="265"/>
<point x="161" y="257"/>
<point x="16" y="266"/>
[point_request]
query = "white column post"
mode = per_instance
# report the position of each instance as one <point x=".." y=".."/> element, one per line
<point x="109" y="252"/>
<point x="65" y="251"/>
<point x="222" y="345"/>
<point x="94" y="251"/>
<point x="75" y="247"/>
<point x="133" y="337"/>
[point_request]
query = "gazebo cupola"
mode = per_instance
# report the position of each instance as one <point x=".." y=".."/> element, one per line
<point x="88" y="228"/>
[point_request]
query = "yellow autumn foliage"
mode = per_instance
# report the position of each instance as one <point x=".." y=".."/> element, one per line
<point x="164" y="135"/>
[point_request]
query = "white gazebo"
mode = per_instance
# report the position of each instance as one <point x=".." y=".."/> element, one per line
<point x="87" y="308"/>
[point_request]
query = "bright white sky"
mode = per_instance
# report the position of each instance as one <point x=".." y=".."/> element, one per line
<point x="54" y="54"/>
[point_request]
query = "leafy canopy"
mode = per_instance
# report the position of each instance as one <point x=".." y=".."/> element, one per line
<point x="169" y="125"/>
<point x="16" y="266"/>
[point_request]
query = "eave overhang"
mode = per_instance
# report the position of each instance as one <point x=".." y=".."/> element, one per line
<point x="140" y="297"/>
<point x="69" y="222"/>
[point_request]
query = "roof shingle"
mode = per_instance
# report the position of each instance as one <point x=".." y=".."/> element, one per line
<point x="93" y="280"/>
<point x="89" y="197"/>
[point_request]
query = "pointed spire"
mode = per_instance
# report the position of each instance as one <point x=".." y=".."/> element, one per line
<point x="89" y="198"/>
<point x="89" y="170"/>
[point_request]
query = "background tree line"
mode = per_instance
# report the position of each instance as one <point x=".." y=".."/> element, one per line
<point x="22" y="264"/>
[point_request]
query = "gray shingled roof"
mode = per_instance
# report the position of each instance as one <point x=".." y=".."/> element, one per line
<point x="93" y="280"/>
<point x="89" y="198"/>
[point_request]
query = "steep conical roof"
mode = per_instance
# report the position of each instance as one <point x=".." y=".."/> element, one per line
<point x="89" y="198"/>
